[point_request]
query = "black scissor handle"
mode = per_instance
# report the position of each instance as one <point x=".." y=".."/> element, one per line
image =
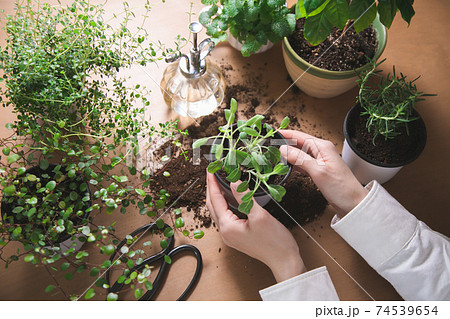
<point x="169" y="251"/>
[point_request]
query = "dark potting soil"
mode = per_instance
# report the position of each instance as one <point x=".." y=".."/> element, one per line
<point x="391" y="151"/>
<point x="348" y="53"/>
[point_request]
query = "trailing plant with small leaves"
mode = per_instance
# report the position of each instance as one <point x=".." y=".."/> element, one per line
<point x="253" y="22"/>
<point x="70" y="155"/>
<point x="322" y="15"/>
<point x="387" y="103"/>
<point x="241" y="151"/>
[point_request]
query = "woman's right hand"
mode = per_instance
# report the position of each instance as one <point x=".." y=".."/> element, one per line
<point x="321" y="161"/>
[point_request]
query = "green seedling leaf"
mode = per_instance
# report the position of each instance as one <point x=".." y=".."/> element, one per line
<point x="281" y="169"/>
<point x="49" y="288"/>
<point x="233" y="105"/>
<point x="218" y="151"/>
<point x="51" y="185"/>
<point x="234" y="176"/>
<point x="242" y="187"/>
<point x="112" y="297"/>
<point x="284" y="123"/>
<point x="247" y="197"/>
<point x="200" y="142"/>
<point x="250" y="131"/>
<point x="229" y="116"/>
<point x="9" y="190"/>
<point x="277" y="192"/>
<point x="168" y="232"/>
<point x="43" y="164"/>
<point x="254" y="119"/>
<point x="246" y="207"/>
<point x="89" y="294"/>
<point x="167" y="259"/>
<point x="214" y="166"/>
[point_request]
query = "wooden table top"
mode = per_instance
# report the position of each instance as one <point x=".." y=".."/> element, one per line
<point x="421" y="49"/>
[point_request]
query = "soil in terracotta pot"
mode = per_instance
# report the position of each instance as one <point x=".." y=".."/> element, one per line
<point x="390" y="151"/>
<point x="303" y="201"/>
<point x="348" y="53"/>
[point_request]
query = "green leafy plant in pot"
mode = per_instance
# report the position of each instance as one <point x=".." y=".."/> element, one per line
<point x="383" y="131"/>
<point x="323" y="17"/>
<point x="243" y="151"/>
<point x="251" y="26"/>
<point x="77" y="124"/>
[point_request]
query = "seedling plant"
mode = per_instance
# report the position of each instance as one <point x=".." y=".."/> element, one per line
<point x="240" y="150"/>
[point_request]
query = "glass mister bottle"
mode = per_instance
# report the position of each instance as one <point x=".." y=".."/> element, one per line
<point x="192" y="85"/>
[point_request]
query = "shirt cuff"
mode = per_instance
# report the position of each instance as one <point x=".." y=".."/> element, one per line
<point x="312" y="285"/>
<point x="378" y="227"/>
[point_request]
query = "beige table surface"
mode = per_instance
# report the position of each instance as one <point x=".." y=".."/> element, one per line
<point x="422" y="187"/>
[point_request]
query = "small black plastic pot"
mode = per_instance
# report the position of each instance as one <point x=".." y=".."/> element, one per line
<point x="66" y="241"/>
<point x="365" y="168"/>
<point x="262" y="197"/>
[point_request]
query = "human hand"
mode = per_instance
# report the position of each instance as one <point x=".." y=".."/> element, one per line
<point x="319" y="159"/>
<point x="260" y="236"/>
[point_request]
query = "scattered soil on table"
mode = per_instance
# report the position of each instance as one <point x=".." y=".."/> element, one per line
<point x="348" y="53"/>
<point x="303" y="201"/>
<point x="391" y="151"/>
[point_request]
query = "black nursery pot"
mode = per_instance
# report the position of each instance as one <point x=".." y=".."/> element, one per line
<point x="65" y="240"/>
<point x="262" y="197"/>
<point x="365" y="167"/>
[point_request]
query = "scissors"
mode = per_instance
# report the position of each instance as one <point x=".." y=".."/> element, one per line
<point x="163" y="270"/>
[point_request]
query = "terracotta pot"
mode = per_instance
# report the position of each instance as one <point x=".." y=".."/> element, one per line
<point x="321" y="83"/>
<point x="366" y="169"/>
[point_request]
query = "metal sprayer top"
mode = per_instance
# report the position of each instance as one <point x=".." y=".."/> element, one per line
<point x="195" y="65"/>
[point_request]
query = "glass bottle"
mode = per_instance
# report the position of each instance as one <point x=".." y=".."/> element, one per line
<point x="193" y="86"/>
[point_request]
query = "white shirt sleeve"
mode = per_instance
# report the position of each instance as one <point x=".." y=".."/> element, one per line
<point x="402" y="249"/>
<point x="312" y="285"/>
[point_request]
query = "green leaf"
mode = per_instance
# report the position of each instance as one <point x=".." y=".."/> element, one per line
<point x="277" y="192"/>
<point x="337" y="13"/>
<point x="234" y="176"/>
<point x="168" y="232"/>
<point x="229" y="117"/>
<point x="363" y="12"/>
<point x="6" y="151"/>
<point x="167" y="259"/>
<point x="89" y="294"/>
<point x="32" y="201"/>
<point x="17" y="209"/>
<point x="246" y="207"/>
<point x="13" y="158"/>
<point x="214" y="166"/>
<point x="317" y="28"/>
<point x="387" y="9"/>
<point x="29" y="258"/>
<point x="200" y="142"/>
<point x="250" y="131"/>
<point x="233" y="105"/>
<point x="284" y="123"/>
<point x="112" y="297"/>
<point x="273" y="154"/>
<point x="250" y="47"/>
<point x="64" y="266"/>
<point x="242" y="187"/>
<point x="179" y="222"/>
<point x="9" y="126"/>
<point x="108" y="249"/>
<point x="218" y="151"/>
<point x="406" y="9"/>
<point x="247" y="197"/>
<point x="254" y="119"/>
<point x="148" y="285"/>
<point x="49" y="288"/>
<point x="281" y="169"/>
<point x="94" y="272"/>
<point x="163" y="243"/>
<point x="198" y="234"/>
<point x="138" y="293"/>
<point x="51" y="185"/>
<point x="9" y="190"/>
<point x="186" y="232"/>
<point x="43" y="164"/>
<point x="17" y="231"/>
<point x="311" y="5"/>
<point x="140" y="192"/>
<point x="68" y="276"/>
<point x="160" y="223"/>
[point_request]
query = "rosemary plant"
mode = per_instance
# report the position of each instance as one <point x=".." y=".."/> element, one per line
<point x="388" y="103"/>
<point x="240" y="150"/>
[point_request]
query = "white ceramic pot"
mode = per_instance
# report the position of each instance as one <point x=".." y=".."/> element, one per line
<point x="238" y="45"/>
<point x="321" y="83"/>
<point x="366" y="169"/>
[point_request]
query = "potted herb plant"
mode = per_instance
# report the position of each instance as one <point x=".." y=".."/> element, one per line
<point x="333" y="38"/>
<point x="77" y="122"/>
<point x="250" y="26"/>
<point x="248" y="151"/>
<point x="383" y="131"/>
